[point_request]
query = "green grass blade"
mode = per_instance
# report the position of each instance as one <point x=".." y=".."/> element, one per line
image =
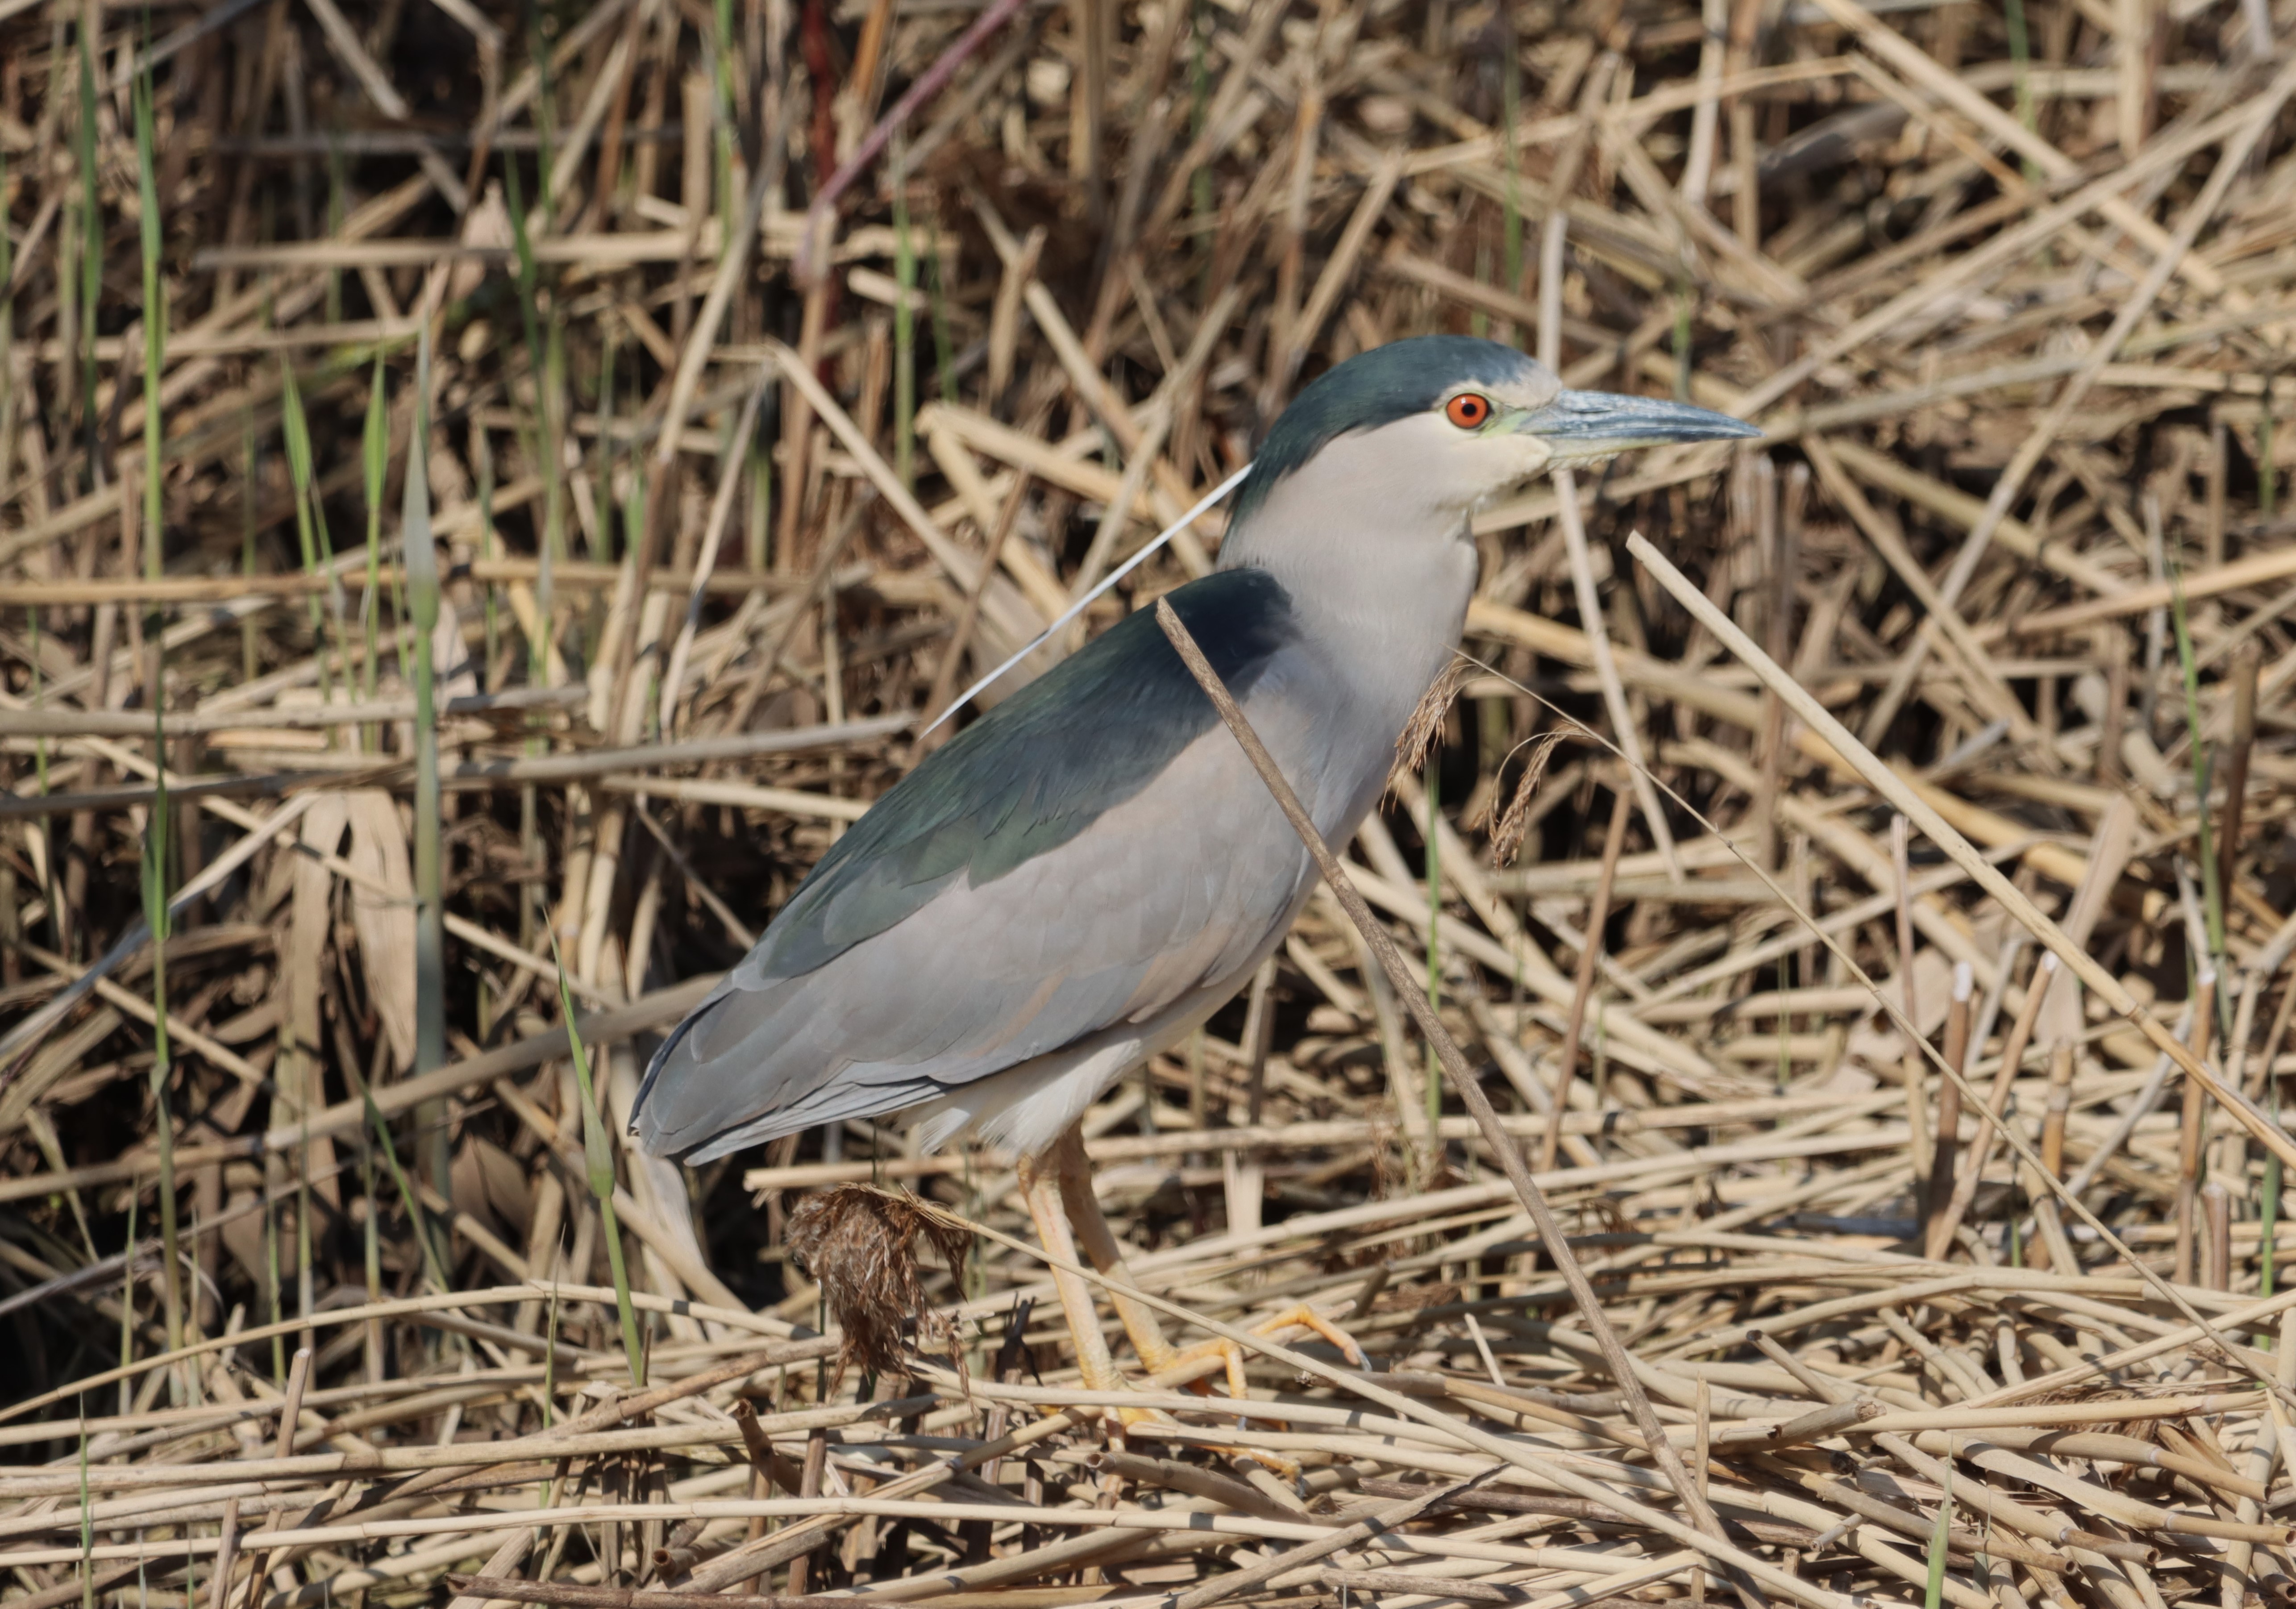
<point x="599" y="1162"/>
<point x="905" y="325"/>
<point x="155" y="344"/>
<point x="546" y="113"/>
<point x="943" y="341"/>
<point x="1933" y="1592"/>
<point x="2020" y="59"/>
<point x="722" y="49"/>
<point x="2268" y="1219"/>
<point x="373" y="1238"/>
<point x="522" y="244"/>
<point x="434" y="1265"/>
<point x="91" y="250"/>
<point x="550" y="397"/>
<point x="161" y="819"/>
<point x="375" y="445"/>
<point x="155" y="352"/>
<point x="295" y="427"/>
<point x="634" y="507"/>
<point x="422" y="560"/>
<point x="154" y="878"/>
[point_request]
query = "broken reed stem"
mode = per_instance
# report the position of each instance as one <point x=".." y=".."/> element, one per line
<point x="1625" y="731"/>
<point x="928" y="84"/>
<point x="1943" y="1184"/>
<point x="1917" y="1105"/>
<point x="1827" y="730"/>
<point x="2212" y="890"/>
<point x="2191" y="1129"/>
<point x="1895" y="789"/>
<point x="2245" y="669"/>
<point x="1582" y="985"/>
<point x="1455" y="1064"/>
<point x="2012" y="1056"/>
<point x="2216" y="1260"/>
<point x="2059" y="1107"/>
<point x="1367" y="1385"/>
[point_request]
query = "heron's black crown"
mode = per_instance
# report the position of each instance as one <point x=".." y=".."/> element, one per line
<point x="1370" y="390"/>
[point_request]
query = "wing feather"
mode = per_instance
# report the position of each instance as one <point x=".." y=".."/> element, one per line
<point x="981" y="980"/>
<point x="1092" y="851"/>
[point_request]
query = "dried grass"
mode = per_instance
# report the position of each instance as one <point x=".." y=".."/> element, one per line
<point x="2009" y="289"/>
<point x="860" y="1244"/>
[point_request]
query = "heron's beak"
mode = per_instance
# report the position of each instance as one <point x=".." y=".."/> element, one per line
<point x="1582" y="426"/>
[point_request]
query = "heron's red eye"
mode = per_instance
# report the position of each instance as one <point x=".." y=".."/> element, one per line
<point x="1468" y="410"/>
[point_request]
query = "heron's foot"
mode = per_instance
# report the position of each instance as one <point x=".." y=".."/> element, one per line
<point x="1304" y="1316"/>
<point x="1230" y="1353"/>
<point x="1058" y="1184"/>
<point x="1191" y="1367"/>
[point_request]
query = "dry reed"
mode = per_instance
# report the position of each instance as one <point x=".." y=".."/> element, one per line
<point x="1866" y="899"/>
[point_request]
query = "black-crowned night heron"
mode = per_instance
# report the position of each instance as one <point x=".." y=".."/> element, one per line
<point x="1080" y="878"/>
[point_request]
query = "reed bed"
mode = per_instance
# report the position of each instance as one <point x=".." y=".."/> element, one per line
<point x="1789" y="1107"/>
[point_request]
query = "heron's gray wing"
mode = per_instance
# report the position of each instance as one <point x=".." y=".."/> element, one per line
<point x="1078" y="857"/>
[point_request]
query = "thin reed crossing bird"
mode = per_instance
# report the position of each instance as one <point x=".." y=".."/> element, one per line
<point x="1076" y="881"/>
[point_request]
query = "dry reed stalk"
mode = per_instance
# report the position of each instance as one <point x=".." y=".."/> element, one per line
<point x="1127" y="233"/>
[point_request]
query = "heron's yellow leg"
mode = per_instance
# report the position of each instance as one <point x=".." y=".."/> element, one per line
<point x="1066" y="1163"/>
<point x="1099" y="1242"/>
<point x="1140" y="1320"/>
<point x="1040" y="1186"/>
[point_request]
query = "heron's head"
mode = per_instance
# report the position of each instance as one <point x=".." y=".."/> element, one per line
<point x="1444" y="423"/>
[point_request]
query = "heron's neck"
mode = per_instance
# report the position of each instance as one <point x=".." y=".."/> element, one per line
<point x="1380" y="589"/>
